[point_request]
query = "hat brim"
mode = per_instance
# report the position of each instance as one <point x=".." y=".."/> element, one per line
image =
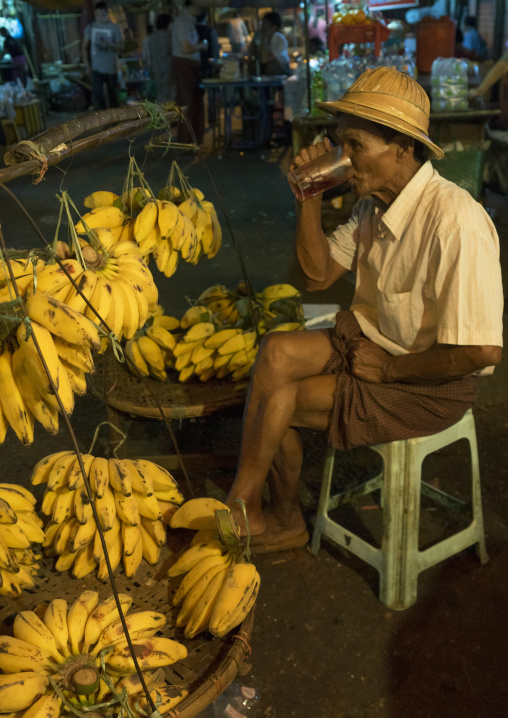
<point x="382" y="118"/>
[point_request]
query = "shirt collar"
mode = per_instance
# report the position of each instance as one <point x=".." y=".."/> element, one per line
<point x="396" y="216"/>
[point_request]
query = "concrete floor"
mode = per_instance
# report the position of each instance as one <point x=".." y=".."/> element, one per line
<point x="323" y="645"/>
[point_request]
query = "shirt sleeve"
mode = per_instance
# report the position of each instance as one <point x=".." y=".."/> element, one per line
<point x="343" y="243"/>
<point x="468" y="289"/>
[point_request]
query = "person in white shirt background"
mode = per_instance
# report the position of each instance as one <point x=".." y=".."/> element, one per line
<point x="274" y="56"/>
<point x="101" y="44"/>
<point x="238" y="34"/>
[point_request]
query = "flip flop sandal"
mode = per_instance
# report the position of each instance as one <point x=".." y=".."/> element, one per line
<point x="286" y="545"/>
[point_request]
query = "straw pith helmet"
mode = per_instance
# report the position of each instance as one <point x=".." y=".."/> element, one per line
<point x="390" y="98"/>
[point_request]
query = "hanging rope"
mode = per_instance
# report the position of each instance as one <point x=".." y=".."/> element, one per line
<point x="37" y="152"/>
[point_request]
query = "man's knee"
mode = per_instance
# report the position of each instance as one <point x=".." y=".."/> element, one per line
<point x="274" y="352"/>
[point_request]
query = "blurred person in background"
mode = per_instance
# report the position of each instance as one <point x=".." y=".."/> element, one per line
<point x="101" y="44"/>
<point x="237" y="34"/>
<point x="317" y="25"/>
<point x="316" y="47"/>
<point x="472" y="45"/>
<point x="159" y="58"/>
<point x="18" y="59"/>
<point x="211" y="53"/>
<point x="187" y="70"/>
<point x="273" y="50"/>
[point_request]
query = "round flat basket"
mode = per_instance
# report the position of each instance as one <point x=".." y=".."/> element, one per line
<point x="211" y="663"/>
<point x="125" y="392"/>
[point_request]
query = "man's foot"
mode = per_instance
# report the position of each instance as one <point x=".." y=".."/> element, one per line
<point x="256" y="519"/>
<point x="278" y="537"/>
<point x="260" y="544"/>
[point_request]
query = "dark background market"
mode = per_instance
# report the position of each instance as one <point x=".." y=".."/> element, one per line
<point x="323" y="646"/>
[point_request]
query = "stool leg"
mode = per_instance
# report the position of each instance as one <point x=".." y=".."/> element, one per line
<point x="476" y="497"/>
<point x="410" y="564"/>
<point x="398" y="574"/>
<point x="324" y="495"/>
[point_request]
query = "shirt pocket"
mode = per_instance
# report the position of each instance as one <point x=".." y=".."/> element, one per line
<point x="395" y="317"/>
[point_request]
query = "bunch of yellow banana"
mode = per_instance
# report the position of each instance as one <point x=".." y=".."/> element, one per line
<point x="152" y="352"/>
<point x="65" y="338"/>
<point x="134" y="500"/>
<point x="187" y="231"/>
<point x="63" y="647"/>
<point x="23" y="271"/>
<point x="221" y="302"/>
<point x="212" y="346"/>
<point x="218" y="588"/>
<point x="202" y="351"/>
<point x="281" y="305"/>
<point x="20" y="532"/>
<point x="115" y="280"/>
<point x="206" y="353"/>
<point x="175" y="226"/>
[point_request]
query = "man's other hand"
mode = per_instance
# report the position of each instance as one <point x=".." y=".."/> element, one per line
<point x="367" y="361"/>
<point x="309" y="153"/>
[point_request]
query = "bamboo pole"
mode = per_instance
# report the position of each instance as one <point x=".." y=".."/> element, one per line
<point x="31" y="166"/>
<point x="68" y="131"/>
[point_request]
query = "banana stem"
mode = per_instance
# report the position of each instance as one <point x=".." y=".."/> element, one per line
<point x="121" y="698"/>
<point x="66" y="200"/>
<point x="57" y="230"/>
<point x="133" y="171"/>
<point x="246" y="553"/>
<point x="107" y="423"/>
<point x="64" y="700"/>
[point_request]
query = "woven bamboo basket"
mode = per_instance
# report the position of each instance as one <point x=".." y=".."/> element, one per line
<point x="125" y="392"/>
<point x="211" y="664"/>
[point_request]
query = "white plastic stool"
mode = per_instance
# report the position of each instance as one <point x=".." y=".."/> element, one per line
<point x="399" y="560"/>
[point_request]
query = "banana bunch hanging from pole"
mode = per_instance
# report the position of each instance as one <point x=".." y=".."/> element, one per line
<point x="65" y="338"/>
<point x="20" y="537"/>
<point x="134" y="500"/>
<point x="178" y="224"/>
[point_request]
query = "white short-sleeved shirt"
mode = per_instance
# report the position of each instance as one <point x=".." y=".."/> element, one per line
<point x="427" y="268"/>
<point x="183" y="29"/>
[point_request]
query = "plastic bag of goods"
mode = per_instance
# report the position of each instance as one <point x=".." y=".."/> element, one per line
<point x="339" y="76"/>
<point x="449" y="85"/>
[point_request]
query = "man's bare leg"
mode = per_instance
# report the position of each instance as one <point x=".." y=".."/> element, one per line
<point x="284" y="363"/>
<point x="284" y="518"/>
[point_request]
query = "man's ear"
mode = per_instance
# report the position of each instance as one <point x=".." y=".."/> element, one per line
<point x="406" y="146"/>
